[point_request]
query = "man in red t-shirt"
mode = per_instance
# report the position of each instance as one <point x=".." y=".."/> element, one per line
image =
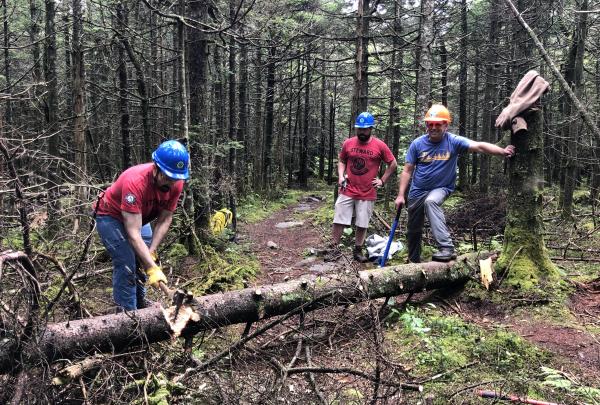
<point x="358" y="167"/>
<point x="141" y="194"/>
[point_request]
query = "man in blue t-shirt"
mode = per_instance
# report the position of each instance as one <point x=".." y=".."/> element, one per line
<point x="431" y="161"/>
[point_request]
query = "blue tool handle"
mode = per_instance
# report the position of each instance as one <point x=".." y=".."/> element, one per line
<point x="391" y="237"/>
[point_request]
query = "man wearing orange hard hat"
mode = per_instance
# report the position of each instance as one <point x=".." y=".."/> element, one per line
<point x="431" y="162"/>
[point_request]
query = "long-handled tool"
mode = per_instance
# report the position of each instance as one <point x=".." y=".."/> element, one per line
<point x="391" y="237"/>
<point x="177" y="296"/>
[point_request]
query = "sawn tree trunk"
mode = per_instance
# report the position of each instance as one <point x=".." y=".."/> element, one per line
<point x="110" y="333"/>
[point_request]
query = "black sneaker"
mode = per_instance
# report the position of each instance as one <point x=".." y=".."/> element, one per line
<point x="358" y="255"/>
<point x="444" y="255"/>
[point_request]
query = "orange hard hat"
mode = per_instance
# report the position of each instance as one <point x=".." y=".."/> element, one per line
<point x="438" y="113"/>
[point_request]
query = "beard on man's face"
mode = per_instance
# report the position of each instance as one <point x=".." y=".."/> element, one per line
<point x="363" y="134"/>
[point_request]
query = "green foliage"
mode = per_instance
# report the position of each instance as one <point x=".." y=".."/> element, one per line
<point x="442" y="342"/>
<point x="323" y="216"/>
<point x="581" y="195"/>
<point x="176" y="252"/>
<point x="159" y="389"/>
<point x="412" y="322"/>
<point x="455" y="200"/>
<point x="51" y="291"/>
<point x="198" y="352"/>
<point x="559" y="380"/>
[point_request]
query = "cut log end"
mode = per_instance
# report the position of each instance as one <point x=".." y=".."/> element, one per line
<point x="178" y="318"/>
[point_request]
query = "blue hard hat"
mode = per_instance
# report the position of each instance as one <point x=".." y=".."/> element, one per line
<point x="364" y="120"/>
<point x="173" y="160"/>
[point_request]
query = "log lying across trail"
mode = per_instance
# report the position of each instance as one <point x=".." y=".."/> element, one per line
<point x="112" y="333"/>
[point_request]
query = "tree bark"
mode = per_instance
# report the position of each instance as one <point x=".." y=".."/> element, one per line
<point x="80" y="120"/>
<point x="233" y="116"/>
<point x="570" y="130"/>
<point x="184" y="114"/>
<point x="119" y="331"/>
<point x="143" y="94"/>
<point x="232" y="54"/>
<point x="397" y="64"/>
<point x="269" y="106"/>
<point x="361" y="63"/>
<point x="331" y="150"/>
<point x="258" y="124"/>
<point x="444" y="70"/>
<point x="474" y="126"/>
<point x="463" y="182"/>
<point x="294" y="131"/>
<point x="322" y="130"/>
<point x="524" y="257"/>
<point x="51" y="116"/>
<point x="123" y="96"/>
<point x="36" y="71"/>
<point x="304" y="159"/>
<point x="34" y="31"/>
<point x="595" y="179"/>
<point x="242" y="167"/>
<point x="489" y="98"/>
<point x="219" y="114"/>
<point x="423" y="96"/>
<point x="7" y="62"/>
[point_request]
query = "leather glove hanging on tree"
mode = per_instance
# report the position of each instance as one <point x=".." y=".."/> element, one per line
<point x="155" y="275"/>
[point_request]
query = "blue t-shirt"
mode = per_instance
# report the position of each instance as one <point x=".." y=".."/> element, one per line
<point x="435" y="163"/>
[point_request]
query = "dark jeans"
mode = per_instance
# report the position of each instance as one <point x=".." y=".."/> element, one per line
<point x="128" y="282"/>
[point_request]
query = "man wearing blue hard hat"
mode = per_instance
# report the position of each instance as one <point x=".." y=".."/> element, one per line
<point x="358" y="181"/>
<point x="141" y="194"/>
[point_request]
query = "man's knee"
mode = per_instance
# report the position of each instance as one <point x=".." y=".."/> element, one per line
<point x="431" y="202"/>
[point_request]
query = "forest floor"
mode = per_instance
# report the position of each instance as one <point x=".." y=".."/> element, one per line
<point x="453" y="342"/>
<point x="560" y="338"/>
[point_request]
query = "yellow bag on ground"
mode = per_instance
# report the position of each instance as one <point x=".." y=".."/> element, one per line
<point x="220" y="220"/>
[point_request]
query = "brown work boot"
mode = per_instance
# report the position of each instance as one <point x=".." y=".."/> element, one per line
<point x="358" y="255"/>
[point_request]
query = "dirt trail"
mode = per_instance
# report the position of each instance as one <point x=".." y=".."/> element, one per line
<point x="294" y="238"/>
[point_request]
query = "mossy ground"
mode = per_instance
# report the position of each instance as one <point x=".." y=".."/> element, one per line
<point x="231" y="269"/>
<point x="431" y="343"/>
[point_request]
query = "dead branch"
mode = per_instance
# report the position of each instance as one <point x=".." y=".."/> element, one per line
<point x="345" y="370"/>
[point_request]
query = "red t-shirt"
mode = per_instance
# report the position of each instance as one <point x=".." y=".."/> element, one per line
<point x="362" y="165"/>
<point x="135" y="192"/>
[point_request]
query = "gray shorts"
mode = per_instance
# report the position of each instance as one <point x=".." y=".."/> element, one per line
<point x="346" y="206"/>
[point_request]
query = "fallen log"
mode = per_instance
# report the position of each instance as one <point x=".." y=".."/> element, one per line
<point x="113" y="333"/>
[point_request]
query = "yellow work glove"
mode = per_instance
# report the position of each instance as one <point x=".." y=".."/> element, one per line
<point x="154" y="256"/>
<point x="155" y="275"/>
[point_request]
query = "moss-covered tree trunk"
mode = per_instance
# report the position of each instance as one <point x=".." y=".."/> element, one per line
<point x="524" y="256"/>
